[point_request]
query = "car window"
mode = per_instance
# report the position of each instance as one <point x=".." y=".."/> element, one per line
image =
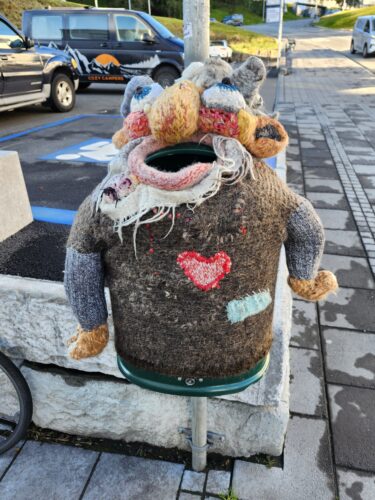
<point x="47" y="27"/>
<point x="88" y="27"/>
<point x="130" y="29"/>
<point x="367" y="27"/>
<point x="360" y="23"/>
<point x="8" y="36"/>
<point x="373" y="25"/>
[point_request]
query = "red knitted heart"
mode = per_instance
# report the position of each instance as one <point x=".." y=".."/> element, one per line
<point x="205" y="273"/>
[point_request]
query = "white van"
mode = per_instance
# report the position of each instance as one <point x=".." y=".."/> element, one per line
<point x="363" y="38"/>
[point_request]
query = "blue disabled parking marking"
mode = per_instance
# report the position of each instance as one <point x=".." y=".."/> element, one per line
<point x="53" y="215"/>
<point x="95" y="150"/>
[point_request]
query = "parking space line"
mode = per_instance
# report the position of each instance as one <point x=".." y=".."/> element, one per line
<point x="53" y="215"/>
<point x="54" y="124"/>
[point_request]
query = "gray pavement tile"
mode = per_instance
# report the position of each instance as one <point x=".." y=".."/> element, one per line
<point x="355" y="485"/>
<point x="47" y="471"/>
<point x="328" y="200"/>
<point x="119" y="477"/>
<point x="370" y="193"/>
<point x="353" y="423"/>
<point x="336" y="219"/>
<point x="321" y="173"/>
<point x="350" y="271"/>
<point x="7" y="457"/>
<point x="351" y="308"/>
<point x="218" y="482"/>
<point x="188" y="496"/>
<point x="305" y="330"/>
<point x="367" y="181"/>
<point x="362" y="159"/>
<point x="306" y="382"/>
<point x="193" y="481"/>
<point x="349" y="357"/>
<point x="323" y="185"/>
<point x="343" y="242"/>
<point x="307" y="472"/>
<point x="318" y="153"/>
<point x="317" y="162"/>
<point x="364" y="169"/>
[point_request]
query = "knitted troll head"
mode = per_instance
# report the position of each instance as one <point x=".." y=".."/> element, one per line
<point x="209" y="98"/>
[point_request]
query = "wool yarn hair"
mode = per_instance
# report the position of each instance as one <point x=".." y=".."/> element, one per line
<point x="315" y="289"/>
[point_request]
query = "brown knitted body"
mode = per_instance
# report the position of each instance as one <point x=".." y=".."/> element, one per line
<point x="163" y="321"/>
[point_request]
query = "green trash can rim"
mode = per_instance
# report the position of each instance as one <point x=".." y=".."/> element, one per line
<point x="193" y="387"/>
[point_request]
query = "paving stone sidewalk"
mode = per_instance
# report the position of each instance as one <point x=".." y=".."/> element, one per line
<point x="327" y="105"/>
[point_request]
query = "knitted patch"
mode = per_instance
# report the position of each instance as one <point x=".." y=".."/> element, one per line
<point x="238" y="310"/>
<point x="204" y="272"/>
<point x="218" y="122"/>
<point x="136" y="125"/>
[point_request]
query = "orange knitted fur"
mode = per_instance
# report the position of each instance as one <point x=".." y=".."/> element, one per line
<point x="89" y="343"/>
<point x="119" y="138"/>
<point x="316" y="289"/>
<point x="174" y="115"/>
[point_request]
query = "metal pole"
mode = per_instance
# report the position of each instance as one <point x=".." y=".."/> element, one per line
<point x="280" y="37"/>
<point x="196" y="15"/>
<point x="199" y="433"/>
<point x="149" y="7"/>
<point x="130" y="4"/>
<point x="96" y="3"/>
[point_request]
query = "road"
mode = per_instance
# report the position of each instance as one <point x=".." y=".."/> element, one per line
<point x="315" y="37"/>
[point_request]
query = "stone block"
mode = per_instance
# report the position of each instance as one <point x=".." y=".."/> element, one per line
<point x="14" y="202"/>
<point x="355" y="484"/>
<point x="193" y="481"/>
<point x="103" y="407"/>
<point x="218" y="482"/>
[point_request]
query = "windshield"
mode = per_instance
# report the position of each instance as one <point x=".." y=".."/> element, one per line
<point x="160" y="28"/>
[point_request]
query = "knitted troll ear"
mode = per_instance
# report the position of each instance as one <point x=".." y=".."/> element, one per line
<point x="248" y="78"/>
<point x="269" y="138"/>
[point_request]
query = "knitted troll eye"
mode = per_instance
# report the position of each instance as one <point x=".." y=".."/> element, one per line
<point x="144" y="96"/>
<point x="225" y="96"/>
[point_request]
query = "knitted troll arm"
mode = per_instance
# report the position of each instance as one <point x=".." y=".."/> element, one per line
<point x="84" y="285"/>
<point x="304" y="248"/>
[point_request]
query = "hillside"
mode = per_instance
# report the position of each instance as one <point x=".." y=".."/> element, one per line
<point x="12" y="9"/>
<point x="346" y="19"/>
<point x="243" y="42"/>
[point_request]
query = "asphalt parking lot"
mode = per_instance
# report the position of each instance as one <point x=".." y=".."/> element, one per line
<point x="63" y="158"/>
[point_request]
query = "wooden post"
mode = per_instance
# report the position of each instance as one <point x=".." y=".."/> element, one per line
<point x="196" y="15"/>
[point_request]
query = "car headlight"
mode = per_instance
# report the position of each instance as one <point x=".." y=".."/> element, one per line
<point x="74" y="63"/>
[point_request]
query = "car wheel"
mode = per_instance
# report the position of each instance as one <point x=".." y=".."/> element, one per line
<point x="84" y="85"/>
<point x="166" y="75"/>
<point x="352" y="49"/>
<point x="62" y="97"/>
<point x="365" y="51"/>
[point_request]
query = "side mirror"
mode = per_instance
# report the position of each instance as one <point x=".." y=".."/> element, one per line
<point x="147" y="38"/>
<point x="29" y="42"/>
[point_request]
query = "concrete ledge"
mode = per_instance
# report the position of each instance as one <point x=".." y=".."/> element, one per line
<point x="14" y="202"/>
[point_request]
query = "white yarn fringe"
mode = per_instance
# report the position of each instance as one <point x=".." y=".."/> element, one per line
<point x="232" y="165"/>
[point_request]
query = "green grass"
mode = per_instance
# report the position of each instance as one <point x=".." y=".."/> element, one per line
<point x="248" y="17"/>
<point x="12" y="9"/>
<point x="346" y="19"/>
<point x="242" y="41"/>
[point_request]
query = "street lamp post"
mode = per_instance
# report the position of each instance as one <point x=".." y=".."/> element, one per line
<point x="280" y="36"/>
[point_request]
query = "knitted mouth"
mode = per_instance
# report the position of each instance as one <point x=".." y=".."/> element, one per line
<point x="171" y="168"/>
<point x="268" y="132"/>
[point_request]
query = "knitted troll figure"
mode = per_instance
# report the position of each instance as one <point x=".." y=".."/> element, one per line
<point x="187" y="227"/>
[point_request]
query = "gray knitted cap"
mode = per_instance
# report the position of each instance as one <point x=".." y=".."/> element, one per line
<point x="136" y="81"/>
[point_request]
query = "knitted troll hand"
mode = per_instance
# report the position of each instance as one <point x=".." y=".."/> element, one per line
<point x="90" y="343"/>
<point x="189" y="244"/>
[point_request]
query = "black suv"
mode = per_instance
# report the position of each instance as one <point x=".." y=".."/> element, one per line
<point x="109" y="45"/>
<point x="33" y="75"/>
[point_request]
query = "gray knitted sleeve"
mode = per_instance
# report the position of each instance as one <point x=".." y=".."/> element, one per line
<point x="84" y="286"/>
<point x="305" y="242"/>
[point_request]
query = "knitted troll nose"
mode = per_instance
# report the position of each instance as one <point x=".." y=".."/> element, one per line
<point x="189" y="243"/>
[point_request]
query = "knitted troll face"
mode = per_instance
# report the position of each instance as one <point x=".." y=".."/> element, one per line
<point x="189" y="247"/>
